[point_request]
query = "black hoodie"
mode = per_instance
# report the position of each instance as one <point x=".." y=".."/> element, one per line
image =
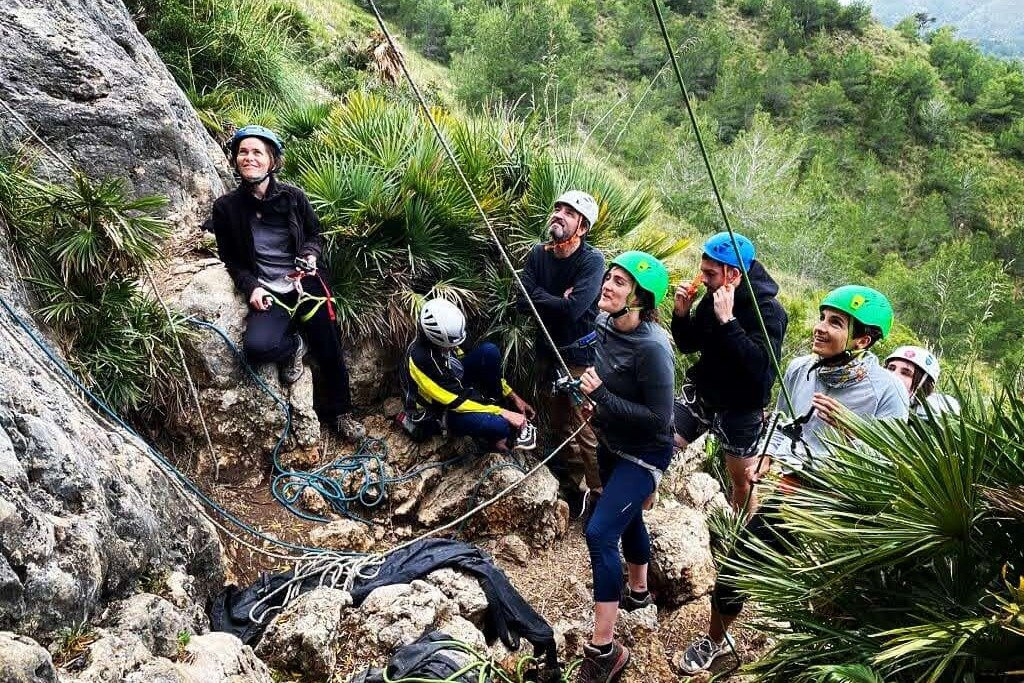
<point x="734" y="370"/>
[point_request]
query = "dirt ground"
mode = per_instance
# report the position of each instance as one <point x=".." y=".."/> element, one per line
<point x="556" y="581"/>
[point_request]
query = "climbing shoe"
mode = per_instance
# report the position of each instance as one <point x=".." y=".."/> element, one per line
<point x="350" y="429"/>
<point x="602" y="667"/>
<point x="631" y="601"/>
<point x="290" y="371"/>
<point x="702" y="654"/>
<point x="527" y="439"/>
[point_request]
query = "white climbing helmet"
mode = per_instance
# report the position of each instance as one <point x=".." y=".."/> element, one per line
<point x="443" y="323"/>
<point x="919" y="356"/>
<point x="582" y="202"/>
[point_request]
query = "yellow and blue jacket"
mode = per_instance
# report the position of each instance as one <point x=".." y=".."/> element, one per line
<point x="433" y="380"/>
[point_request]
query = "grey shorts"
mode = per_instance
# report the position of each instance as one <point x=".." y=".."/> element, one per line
<point x="739" y="431"/>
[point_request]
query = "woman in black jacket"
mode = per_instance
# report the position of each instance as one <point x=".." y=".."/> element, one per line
<point x="630" y="386"/>
<point x="269" y="240"/>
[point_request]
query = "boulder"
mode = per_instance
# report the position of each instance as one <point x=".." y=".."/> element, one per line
<point x="305" y="636"/>
<point x="110" y="658"/>
<point x="245" y="421"/>
<point x="343" y="534"/>
<point x="681" y="567"/>
<point x="84" y="511"/>
<point x="513" y="549"/>
<point x="157" y="622"/>
<point x="222" y="658"/>
<point x="463" y="590"/>
<point x="23" y="660"/>
<point x="702" y="492"/>
<point x="532" y="509"/>
<point x="82" y="75"/>
<point x="396" y="615"/>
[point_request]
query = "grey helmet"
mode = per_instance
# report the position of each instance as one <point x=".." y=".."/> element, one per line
<point x="443" y="323"/>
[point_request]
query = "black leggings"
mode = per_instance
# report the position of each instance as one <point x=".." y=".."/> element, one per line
<point x="269" y="338"/>
<point x="764" y="526"/>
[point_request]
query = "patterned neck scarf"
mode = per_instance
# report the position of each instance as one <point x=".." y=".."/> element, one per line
<point x="847" y="374"/>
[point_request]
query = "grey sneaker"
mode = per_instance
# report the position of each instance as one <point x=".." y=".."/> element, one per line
<point x="702" y="654"/>
<point x="599" y="668"/>
<point x="350" y="429"/>
<point x="527" y="439"/>
<point x="290" y="372"/>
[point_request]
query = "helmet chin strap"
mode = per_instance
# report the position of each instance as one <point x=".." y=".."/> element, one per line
<point x="253" y="183"/>
<point x="619" y="314"/>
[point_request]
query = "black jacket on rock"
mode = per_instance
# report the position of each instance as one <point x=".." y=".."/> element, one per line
<point x="734" y="370"/>
<point x="232" y="219"/>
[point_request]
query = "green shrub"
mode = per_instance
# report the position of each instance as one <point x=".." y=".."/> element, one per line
<point x="522" y="49"/>
<point x="904" y="562"/>
<point x="244" y="44"/>
<point x="84" y="248"/>
<point x="752" y="8"/>
<point x="399" y="225"/>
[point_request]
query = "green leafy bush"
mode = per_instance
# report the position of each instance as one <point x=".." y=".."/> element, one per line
<point x="84" y="248"/>
<point x="905" y="562"/>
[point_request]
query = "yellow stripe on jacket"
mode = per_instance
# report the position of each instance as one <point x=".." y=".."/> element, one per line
<point x="434" y="392"/>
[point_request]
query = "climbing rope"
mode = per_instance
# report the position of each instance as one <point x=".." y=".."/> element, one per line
<point x="720" y="202"/>
<point x="159" y="459"/>
<point x="469" y="188"/>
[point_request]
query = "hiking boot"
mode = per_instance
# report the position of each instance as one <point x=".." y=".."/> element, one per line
<point x="290" y="372"/>
<point x="702" y="654"/>
<point x="527" y="439"/>
<point x="350" y="429"/>
<point x="631" y="601"/>
<point x="599" y="668"/>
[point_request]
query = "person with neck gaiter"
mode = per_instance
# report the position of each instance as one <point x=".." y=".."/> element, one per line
<point x="840" y="373"/>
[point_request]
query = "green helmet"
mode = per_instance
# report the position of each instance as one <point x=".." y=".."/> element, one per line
<point x="650" y="273"/>
<point x="866" y="305"/>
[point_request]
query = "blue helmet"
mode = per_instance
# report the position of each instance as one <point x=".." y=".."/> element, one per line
<point x="719" y="248"/>
<point x="255" y="132"/>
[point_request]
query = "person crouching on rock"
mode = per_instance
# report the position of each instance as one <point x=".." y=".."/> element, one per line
<point x="461" y="392"/>
<point x="269" y="240"/>
<point x="630" y="387"/>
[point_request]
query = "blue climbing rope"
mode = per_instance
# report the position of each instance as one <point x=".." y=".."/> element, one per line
<point x="154" y="453"/>
<point x="360" y="479"/>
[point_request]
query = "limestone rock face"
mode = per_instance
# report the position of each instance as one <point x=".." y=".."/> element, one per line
<point x="83" y="510"/>
<point x="23" y="660"/>
<point x="80" y="73"/>
<point x="306" y="635"/>
<point x="532" y="510"/>
<point x="681" y="567"/>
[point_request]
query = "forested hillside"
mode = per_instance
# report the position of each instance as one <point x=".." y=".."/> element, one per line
<point x="996" y="25"/>
<point x="846" y="150"/>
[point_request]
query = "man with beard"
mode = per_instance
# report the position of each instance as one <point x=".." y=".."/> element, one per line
<point x="563" y="277"/>
<point x="728" y="387"/>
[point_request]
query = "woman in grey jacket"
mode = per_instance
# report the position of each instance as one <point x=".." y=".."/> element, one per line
<point x="630" y="386"/>
<point x="840" y="374"/>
